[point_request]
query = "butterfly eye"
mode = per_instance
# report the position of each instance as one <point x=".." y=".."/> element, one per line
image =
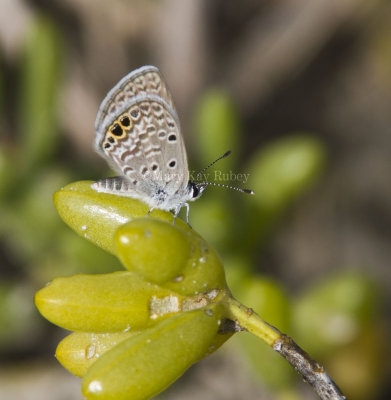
<point x="196" y="191"/>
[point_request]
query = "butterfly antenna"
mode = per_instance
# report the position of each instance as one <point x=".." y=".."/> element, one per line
<point x="214" y="162"/>
<point x="248" y="191"/>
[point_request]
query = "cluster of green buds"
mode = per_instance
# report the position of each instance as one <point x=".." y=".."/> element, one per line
<point x="135" y="331"/>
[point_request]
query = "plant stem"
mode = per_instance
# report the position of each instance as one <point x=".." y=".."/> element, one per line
<point x="252" y="322"/>
<point x="310" y="370"/>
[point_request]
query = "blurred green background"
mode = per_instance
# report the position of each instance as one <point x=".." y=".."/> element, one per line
<point x="299" y="90"/>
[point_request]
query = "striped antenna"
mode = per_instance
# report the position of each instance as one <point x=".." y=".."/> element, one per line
<point x="214" y="162"/>
<point x="248" y="191"/>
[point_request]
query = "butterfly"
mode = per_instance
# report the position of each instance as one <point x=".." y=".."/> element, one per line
<point x="138" y="133"/>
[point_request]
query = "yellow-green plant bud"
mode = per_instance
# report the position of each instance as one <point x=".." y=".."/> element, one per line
<point x="96" y="216"/>
<point x="156" y="250"/>
<point x="168" y="255"/>
<point x="203" y="271"/>
<point x="105" y="303"/>
<point x="143" y="365"/>
<point x="79" y="350"/>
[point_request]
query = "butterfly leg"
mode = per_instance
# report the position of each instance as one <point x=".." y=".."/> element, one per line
<point x="187" y="214"/>
<point x="176" y="214"/>
<point x="177" y="209"/>
<point x="149" y="212"/>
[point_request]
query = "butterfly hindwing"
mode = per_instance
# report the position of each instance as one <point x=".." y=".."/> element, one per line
<point x="143" y="142"/>
<point x="143" y="81"/>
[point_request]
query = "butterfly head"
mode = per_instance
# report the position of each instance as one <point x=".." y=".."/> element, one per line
<point x="195" y="190"/>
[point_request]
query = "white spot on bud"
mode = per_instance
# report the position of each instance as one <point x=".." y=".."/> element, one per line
<point x="124" y="239"/>
<point x="209" y="312"/>
<point x="147" y="233"/>
<point x="164" y="305"/>
<point x="90" y="351"/>
<point x="95" y="387"/>
<point x="212" y="294"/>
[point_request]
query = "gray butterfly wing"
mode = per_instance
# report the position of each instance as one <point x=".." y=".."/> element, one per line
<point x="140" y="82"/>
<point x="142" y="141"/>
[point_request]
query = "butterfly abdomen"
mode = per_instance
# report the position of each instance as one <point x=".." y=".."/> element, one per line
<point x="113" y="185"/>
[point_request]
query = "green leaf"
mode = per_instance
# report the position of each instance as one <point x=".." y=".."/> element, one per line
<point x="7" y="170"/>
<point x="218" y="128"/>
<point x="39" y="91"/>
<point x="284" y="169"/>
<point x="280" y="173"/>
<point x="333" y="313"/>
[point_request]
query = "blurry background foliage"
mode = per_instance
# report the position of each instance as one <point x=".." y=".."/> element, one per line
<point x="299" y="90"/>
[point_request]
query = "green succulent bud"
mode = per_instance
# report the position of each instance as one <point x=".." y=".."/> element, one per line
<point x="162" y="253"/>
<point x="168" y="255"/>
<point x="106" y="303"/>
<point x="154" y="249"/>
<point x="96" y="216"/>
<point x="145" y="364"/>
<point x="79" y="350"/>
